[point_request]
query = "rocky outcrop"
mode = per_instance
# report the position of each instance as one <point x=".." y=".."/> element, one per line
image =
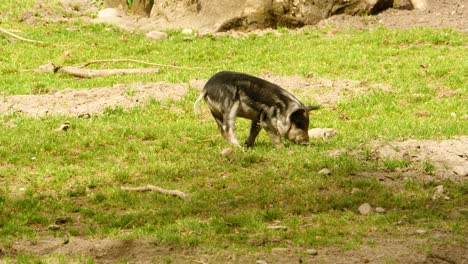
<point x="223" y="15"/>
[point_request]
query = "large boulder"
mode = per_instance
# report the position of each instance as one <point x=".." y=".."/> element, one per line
<point x="223" y="15"/>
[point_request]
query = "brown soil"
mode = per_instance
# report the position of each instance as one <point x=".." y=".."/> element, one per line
<point x="410" y="247"/>
<point x="90" y="101"/>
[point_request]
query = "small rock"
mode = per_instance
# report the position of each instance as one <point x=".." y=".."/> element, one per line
<point x="226" y="152"/>
<point x="156" y="35"/>
<point x="323" y="133"/>
<point x="461" y="170"/>
<point x="109" y="13"/>
<point x="421" y="231"/>
<point x="312" y="252"/>
<point x="355" y="190"/>
<point x="365" y="209"/>
<point x="453" y="114"/>
<point x="419" y="4"/>
<point x="261" y="262"/>
<point x="439" y="191"/>
<point x="324" y="171"/>
<point x="187" y="31"/>
<point x="379" y="210"/>
<point x="65" y="126"/>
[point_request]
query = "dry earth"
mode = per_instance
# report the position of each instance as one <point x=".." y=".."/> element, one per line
<point x="409" y="247"/>
<point x="401" y="247"/>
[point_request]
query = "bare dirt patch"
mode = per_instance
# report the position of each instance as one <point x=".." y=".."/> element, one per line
<point x="445" y="159"/>
<point x="90" y="101"/>
<point x="429" y="160"/>
<point x="400" y="248"/>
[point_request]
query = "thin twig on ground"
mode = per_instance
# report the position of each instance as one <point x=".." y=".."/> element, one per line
<point x="87" y="73"/>
<point x="137" y="61"/>
<point x="20" y="38"/>
<point x="150" y="187"/>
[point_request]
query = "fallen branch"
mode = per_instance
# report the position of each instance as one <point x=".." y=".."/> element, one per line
<point x="137" y="61"/>
<point x="20" y="38"/>
<point x="146" y="188"/>
<point x="86" y="73"/>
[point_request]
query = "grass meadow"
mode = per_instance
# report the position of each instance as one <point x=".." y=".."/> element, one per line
<point x="77" y="174"/>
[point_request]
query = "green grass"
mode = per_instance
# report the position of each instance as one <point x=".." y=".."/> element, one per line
<point x="45" y="174"/>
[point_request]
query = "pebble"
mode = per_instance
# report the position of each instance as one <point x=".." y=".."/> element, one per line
<point x="355" y="190"/>
<point x="187" y="31"/>
<point x="226" y="152"/>
<point x="421" y="231"/>
<point x="156" y="35"/>
<point x="324" y="171"/>
<point x="365" y="209"/>
<point x="461" y="170"/>
<point x="379" y="210"/>
<point x="109" y="13"/>
<point x="261" y="262"/>
<point x="439" y="191"/>
<point x="312" y="252"/>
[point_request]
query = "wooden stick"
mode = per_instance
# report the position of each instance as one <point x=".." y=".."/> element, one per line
<point x="136" y="61"/>
<point x="86" y="73"/>
<point x="150" y="187"/>
<point x="20" y="38"/>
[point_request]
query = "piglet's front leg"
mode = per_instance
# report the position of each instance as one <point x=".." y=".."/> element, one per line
<point x="254" y="130"/>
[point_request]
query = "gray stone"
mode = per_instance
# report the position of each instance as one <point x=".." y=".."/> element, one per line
<point x="324" y="171"/>
<point x="379" y="210"/>
<point x="156" y="35"/>
<point x="461" y="170"/>
<point x="439" y="192"/>
<point x="226" y="152"/>
<point x="312" y="252"/>
<point x="365" y="209"/>
<point x="109" y="13"/>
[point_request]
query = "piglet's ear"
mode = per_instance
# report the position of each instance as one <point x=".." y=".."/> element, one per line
<point x="312" y="107"/>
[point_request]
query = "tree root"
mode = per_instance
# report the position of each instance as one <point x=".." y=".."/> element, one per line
<point x="88" y="73"/>
<point x="20" y="38"/>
